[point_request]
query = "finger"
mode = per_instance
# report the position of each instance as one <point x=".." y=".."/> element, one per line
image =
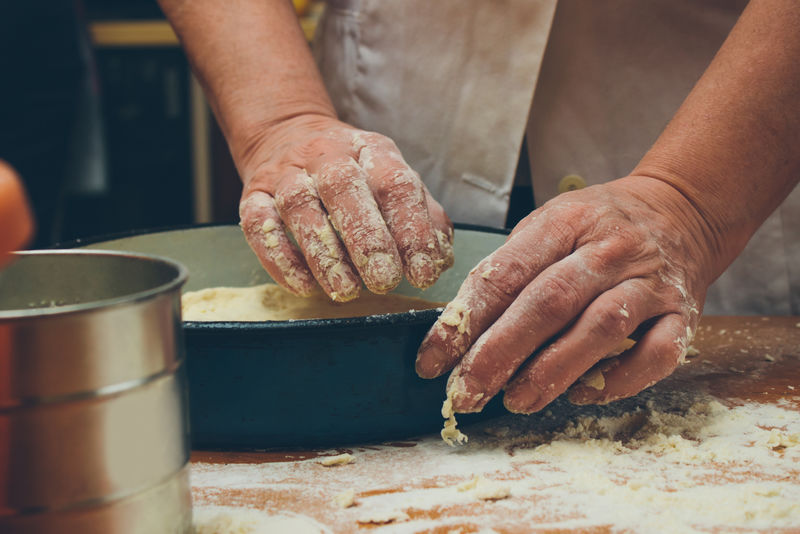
<point x="654" y="357"/>
<point x="343" y="189"/>
<point x="549" y="303"/>
<point x="486" y="293"/>
<point x="599" y="331"/>
<point x="15" y="217"/>
<point x="443" y="227"/>
<point x="300" y="208"/>
<point x="266" y="235"/>
<point x="401" y="198"/>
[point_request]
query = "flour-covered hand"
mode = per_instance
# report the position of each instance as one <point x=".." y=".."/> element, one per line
<point x="356" y="210"/>
<point x="574" y="280"/>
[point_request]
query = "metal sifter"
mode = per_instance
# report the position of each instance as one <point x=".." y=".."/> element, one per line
<point x="93" y="411"/>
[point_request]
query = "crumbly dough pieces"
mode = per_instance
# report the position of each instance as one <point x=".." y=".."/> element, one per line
<point x="450" y="434"/>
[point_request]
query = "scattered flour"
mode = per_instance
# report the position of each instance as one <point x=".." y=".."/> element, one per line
<point x="663" y="461"/>
<point x="235" y="520"/>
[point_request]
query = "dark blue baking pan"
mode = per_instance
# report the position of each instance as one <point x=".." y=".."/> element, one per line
<point x="307" y="383"/>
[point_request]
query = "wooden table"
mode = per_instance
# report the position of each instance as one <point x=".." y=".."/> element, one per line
<point x="677" y="467"/>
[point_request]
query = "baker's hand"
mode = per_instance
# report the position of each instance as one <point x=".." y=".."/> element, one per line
<point x="16" y="222"/>
<point x="356" y="210"/>
<point x="573" y="281"/>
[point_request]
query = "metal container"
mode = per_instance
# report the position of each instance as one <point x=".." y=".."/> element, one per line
<point x="304" y="383"/>
<point x="93" y="410"/>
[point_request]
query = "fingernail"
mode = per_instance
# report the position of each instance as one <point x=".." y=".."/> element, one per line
<point x="446" y="247"/>
<point x="344" y="286"/>
<point x="430" y="361"/>
<point x="522" y="399"/>
<point x="467" y="393"/>
<point x="382" y="273"/>
<point x="422" y="270"/>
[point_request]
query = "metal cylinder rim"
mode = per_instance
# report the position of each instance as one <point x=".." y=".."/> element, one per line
<point x="181" y="275"/>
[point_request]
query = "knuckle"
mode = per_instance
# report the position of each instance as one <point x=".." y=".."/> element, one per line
<point x="295" y="193"/>
<point x="340" y="177"/>
<point x="610" y="323"/>
<point x="503" y="276"/>
<point x="612" y="253"/>
<point x="398" y="185"/>
<point x="560" y="298"/>
<point x="561" y="230"/>
<point x="376" y="140"/>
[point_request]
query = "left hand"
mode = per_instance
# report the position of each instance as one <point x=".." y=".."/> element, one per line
<point x="573" y="280"/>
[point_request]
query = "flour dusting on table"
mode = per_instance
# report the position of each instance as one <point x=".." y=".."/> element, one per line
<point x="663" y="461"/>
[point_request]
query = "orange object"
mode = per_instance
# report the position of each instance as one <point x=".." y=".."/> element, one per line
<point x="16" y="221"/>
<point x="301" y="6"/>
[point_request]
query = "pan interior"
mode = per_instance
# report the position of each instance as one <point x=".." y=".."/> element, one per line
<point x="219" y="256"/>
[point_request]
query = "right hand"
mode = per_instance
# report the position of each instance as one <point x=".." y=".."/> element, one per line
<point x="356" y="210"/>
<point x="16" y="222"/>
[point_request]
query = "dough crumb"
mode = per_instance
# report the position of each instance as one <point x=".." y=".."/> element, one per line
<point x="383" y="517"/>
<point x="485" y="490"/>
<point x="488" y="272"/>
<point x="339" y="459"/>
<point x="345" y="499"/>
<point x="450" y="434"/>
<point x="456" y="314"/>
<point x="624" y="345"/>
<point x="781" y="440"/>
<point x="769" y="357"/>
<point x="594" y="379"/>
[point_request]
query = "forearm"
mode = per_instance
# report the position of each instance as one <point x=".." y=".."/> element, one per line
<point x="732" y="148"/>
<point x="254" y="63"/>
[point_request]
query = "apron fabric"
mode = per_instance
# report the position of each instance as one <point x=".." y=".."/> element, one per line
<point x="452" y="82"/>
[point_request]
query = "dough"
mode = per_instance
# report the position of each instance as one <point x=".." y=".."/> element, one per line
<point x="345" y="499"/>
<point x="339" y="459"/>
<point x="383" y="517"/>
<point x="484" y="489"/>
<point x="450" y="434"/>
<point x="270" y="302"/>
<point x="235" y="520"/>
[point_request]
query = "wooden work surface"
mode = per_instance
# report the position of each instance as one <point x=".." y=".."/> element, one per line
<point x="748" y="363"/>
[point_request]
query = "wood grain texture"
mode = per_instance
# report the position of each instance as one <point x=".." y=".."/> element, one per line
<point x="740" y="361"/>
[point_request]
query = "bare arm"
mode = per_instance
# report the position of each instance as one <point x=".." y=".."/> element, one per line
<point x="634" y="256"/>
<point x="733" y="148"/>
<point x="355" y="208"/>
<point x="254" y="63"/>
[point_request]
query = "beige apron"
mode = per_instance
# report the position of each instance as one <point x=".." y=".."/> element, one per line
<point x="452" y="82"/>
